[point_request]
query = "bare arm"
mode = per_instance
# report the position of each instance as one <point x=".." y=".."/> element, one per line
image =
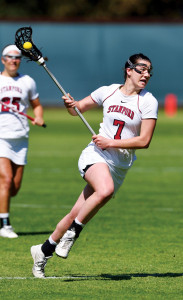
<point x="38" y="112"/>
<point x="83" y="105"/>
<point x="138" y="142"/>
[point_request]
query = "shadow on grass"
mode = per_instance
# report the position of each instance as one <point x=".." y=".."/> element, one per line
<point x="33" y="233"/>
<point x="120" y="277"/>
<point x="130" y="276"/>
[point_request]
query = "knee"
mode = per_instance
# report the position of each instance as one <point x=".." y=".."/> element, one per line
<point x="6" y="182"/>
<point x="107" y="193"/>
<point x="104" y="194"/>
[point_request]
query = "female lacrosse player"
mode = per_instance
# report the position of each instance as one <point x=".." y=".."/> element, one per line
<point x="16" y="91"/>
<point x="129" y="119"/>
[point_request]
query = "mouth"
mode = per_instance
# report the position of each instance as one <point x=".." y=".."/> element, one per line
<point x="14" y="65"/>
<point x="144" y="81"/>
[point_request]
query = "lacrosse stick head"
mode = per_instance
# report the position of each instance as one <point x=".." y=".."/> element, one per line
<point x="23" y="35"/>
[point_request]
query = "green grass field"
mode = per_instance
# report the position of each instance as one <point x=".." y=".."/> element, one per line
<point x="132" y="249"/>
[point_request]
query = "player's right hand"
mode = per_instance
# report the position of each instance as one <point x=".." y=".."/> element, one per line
<point x="69" y="101"/>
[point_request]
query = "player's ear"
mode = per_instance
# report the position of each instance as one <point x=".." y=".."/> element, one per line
<point x="3" y="60"/>
<point x="128" y="71"/>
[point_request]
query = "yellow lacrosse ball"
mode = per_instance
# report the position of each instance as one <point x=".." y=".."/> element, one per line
<point x="27" y="45"/>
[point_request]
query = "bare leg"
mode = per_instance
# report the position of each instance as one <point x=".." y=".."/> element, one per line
<point x="17" y="178"/>
<point x="6" y="179"/>
<point x="98" y="191"/>
<point x="99" y="177"/>
<point x="66" y="222"/>
<point x="10" y="181"/>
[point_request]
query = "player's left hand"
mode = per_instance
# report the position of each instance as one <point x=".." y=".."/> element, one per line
<point x="38" y="121"/>
<point x="101" y="141"/>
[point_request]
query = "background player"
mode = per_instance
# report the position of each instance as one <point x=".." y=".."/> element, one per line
<point x="18" y="91"/>
<point x="129" y="119"/>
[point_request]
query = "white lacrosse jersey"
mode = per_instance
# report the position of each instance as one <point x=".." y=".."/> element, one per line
<point x="15" y="92"/>
<point x="122" y="117"/>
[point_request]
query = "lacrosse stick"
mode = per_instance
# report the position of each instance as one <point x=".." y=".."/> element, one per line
<point x="19" y="112"/>
<point x="23" y="40"/>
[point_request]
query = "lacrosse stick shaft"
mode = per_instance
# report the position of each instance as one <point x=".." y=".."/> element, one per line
<point x="19" y="112"/>
<point x="65" y="94"/>
<point x="24" y="35"/>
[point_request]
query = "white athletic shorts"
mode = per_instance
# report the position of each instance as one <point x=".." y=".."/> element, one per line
<point x="14" y="149"/>
<point x="92" y="155"/>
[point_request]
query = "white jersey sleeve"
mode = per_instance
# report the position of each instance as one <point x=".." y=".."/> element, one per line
<point x="148" y="105"/>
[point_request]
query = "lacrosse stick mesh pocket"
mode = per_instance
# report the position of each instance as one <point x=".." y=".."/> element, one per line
<point x="23" y="35"/>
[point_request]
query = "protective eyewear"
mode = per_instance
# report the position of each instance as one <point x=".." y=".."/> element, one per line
<point x="13" y="56"/>
<point x="142" y="69"/>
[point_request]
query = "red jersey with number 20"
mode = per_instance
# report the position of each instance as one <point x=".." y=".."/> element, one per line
<point x="122" y="117"/>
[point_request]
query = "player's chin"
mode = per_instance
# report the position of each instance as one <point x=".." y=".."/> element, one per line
<point x="142" y="84"/>
<point x="14" y="67"/>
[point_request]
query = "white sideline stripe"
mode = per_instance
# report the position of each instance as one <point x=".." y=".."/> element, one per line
<point x="25" y="205"/>
<point x="51" y="277"/>
<point x="169" y="209"/>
